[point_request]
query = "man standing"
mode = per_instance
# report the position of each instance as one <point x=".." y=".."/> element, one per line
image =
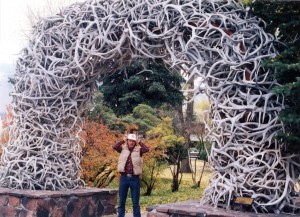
<point x="130" y="167"/>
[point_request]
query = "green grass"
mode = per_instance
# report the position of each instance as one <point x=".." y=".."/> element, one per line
<point x="162" y="193"/>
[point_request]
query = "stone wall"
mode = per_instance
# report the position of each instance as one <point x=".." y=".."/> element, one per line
<point x="86" y="202"/>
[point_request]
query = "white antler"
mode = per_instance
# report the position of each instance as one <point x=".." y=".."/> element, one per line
<point x="217" y="40"/>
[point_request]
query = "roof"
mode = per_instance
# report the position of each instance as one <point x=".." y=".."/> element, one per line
<point x="194" y="138"/>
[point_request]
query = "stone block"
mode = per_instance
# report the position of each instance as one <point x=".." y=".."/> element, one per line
<point x="112" y="199"/>
<point x="85" y="212"/>
<point x="42" y="211"/>
<point x="70" y="208"/>
<point x="109" y="210"/>
<point x="42" y="202"/>
<point x="3" y="201"/>
<point x="95" y="199"/>
<point x="163" y="209"/>
<point x="149" y="214"/>
<point x="75" y="198"/>
<point x="150" y="208"/>
<point x="105" y="203"/>
<point x="50" y="201"/>
<point x="25" y="200"/>
<point x="30" y="204"/>
<point x="100" y="209"/>
<point x="22" y="213"/>
<point x="30" y="214"/>
<point x="62" y="203"/>
<point x="58" y="212"/>
<point x="77" y="204"/>
<point x="91" y="209"/>
<point x="7" y="211"/>
<point x="14" y="201"/>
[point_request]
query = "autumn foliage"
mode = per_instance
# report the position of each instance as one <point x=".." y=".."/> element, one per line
<point x="99" y="159"/>
<point x="7" y="121"/>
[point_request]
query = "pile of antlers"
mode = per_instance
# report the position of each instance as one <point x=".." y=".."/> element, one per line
<point x="214" y="39"/>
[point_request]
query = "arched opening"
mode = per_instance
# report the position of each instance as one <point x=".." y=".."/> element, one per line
<point x="218" y="41"/>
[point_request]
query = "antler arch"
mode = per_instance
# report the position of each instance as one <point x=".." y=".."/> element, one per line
<point x="217" y="40"/>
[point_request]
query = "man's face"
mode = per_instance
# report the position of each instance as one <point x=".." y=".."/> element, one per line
<point x="131" y="143"/>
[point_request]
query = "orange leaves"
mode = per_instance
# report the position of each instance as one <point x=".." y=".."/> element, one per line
<point x="132" y="128"/>
<point x="155" y="153"/>
<point x="7" y="121"/>
<point x="4" y="136"/>
<point x="98" y="155"/>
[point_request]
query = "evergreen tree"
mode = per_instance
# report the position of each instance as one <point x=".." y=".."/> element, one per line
<point x="102" y="112"/>
<point x="283" y="20"/>
<point x="148" y="82"/>
<point x="144" y="117"/>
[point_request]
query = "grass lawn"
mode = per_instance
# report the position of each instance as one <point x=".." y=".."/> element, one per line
<point x="162" y="193"/>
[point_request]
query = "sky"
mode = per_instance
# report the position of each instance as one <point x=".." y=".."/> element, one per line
<point x="15" y="26"/>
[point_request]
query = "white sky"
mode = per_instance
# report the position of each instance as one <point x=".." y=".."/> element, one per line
<point x="14" y="25"/>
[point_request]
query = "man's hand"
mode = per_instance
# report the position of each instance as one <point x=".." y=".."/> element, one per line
<point x="125" y="136"/>
<point x="138" y="139"/>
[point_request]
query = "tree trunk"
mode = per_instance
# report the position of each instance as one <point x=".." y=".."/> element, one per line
<point x="175" y="185"/>
<point x="186" y="166"/>
<point x="148" y="191"/>
<point x="190" y="106"/>
<point x="181" y="118"/>
<point x="199" y="182"/>
<point x="176" y="180"/>
<point x="194" y="174"/>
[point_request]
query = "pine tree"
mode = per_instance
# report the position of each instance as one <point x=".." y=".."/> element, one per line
<point x="283" y="20"/>
<point x="148" y="82"/>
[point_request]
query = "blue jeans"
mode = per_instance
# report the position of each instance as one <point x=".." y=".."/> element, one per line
<point x="134" y="184"/>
